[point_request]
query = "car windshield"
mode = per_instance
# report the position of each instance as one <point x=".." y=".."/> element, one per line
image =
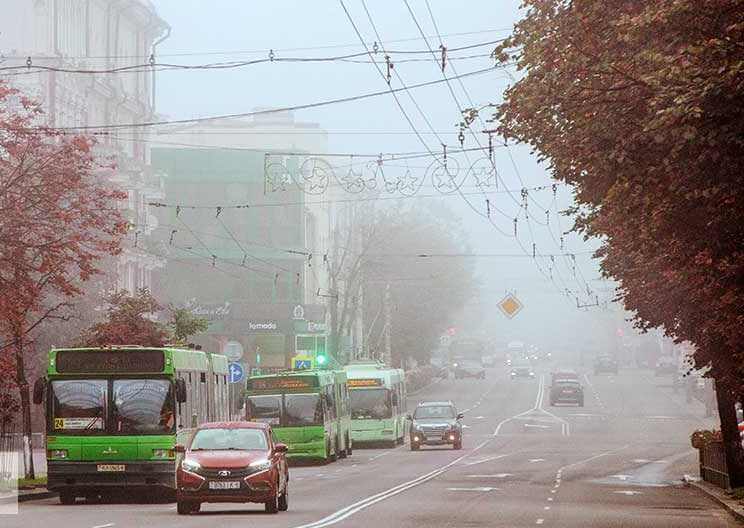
<point x="370" y="404"/>
<point x="302" y="409"/>
<point x="444" y="412"/>
<point x="79" y="405"/>
<point x="143" y="406"/>
<point x="265" y="409"/>
<point x="230" y="439"/>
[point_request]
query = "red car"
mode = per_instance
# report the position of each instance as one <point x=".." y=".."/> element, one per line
<point x="232" y="462"/>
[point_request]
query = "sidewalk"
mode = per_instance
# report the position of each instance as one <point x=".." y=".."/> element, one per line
<point x="28" y="495"/>
<point x="733" y="506"/>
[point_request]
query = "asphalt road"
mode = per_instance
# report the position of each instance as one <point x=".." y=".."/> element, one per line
<point x="616" y="462"/>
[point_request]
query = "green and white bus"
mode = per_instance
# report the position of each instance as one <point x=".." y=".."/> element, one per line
<point x="378" y="403"/>
<point x="307" y="409"/>
<point x="113" y="414"/>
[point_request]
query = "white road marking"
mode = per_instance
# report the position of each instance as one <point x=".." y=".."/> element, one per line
<point x="497" y="475"/>
<point x="358" y="506"/>
<point x="487" y="459"/>
<point x="629" y="493"/>
<point x="546" y="508"/>
<point x="483" y="488"/>
<point x="537" y="426"/>
<point x="539" y="521"/>
<point x="479" y="418"/>
<point x="536" y="460"/>
<point x="105" y="525"/>
<point x="550" y="499"/>
<point x="641" y="461"/>
<point x="621" y="477"/>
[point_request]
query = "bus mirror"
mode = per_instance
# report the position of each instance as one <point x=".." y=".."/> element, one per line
<point x="39" y="386"/>
<point x="180" y="390"/>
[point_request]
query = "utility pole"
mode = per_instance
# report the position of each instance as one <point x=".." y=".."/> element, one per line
<point x="388" y="358"/>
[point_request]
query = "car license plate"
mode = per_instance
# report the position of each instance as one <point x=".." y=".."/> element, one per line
<point x="111" y="467"/>
<point x="231" y="484"/>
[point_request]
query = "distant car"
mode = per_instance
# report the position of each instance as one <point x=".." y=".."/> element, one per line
<point x="563" y="374"/>
<point x="521" y="370"/>
<point x="436" y="423"/>
<point x="606" y="364"/>
<point x="469" y="369"/>
<point x="488" y="361"/>
<point x="567" y="391"/>
<point x="665" y="366"/>
<point x="232" y="462"/>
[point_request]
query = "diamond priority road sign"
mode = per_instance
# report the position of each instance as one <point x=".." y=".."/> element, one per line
<point x="510" y="305"/>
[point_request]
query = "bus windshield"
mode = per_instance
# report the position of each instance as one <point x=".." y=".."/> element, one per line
<point x="143" y="406"/>
<point x="302" y="409"/>
<point x="265" y="409"/>
<point x="370" y="404"/>
<point x="79" y="405"/>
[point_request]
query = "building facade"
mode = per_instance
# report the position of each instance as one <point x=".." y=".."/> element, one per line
<point x="46" y="36"/>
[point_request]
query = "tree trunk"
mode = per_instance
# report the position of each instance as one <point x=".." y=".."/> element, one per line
<point x="730" y="433"/>
<point x="23" y="391"/>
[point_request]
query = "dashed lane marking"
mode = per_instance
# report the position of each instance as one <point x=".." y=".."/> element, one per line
<point x="481" y="489"/>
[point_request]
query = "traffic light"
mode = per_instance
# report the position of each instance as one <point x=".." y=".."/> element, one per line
<point x="321" y="358"/>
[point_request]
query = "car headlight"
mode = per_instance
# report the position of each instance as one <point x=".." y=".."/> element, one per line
<point x="190" y="465"/>
<point x="162" y="453"/>
<point x="261" y="465"/>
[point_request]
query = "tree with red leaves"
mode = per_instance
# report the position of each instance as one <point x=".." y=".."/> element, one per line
<point x="58" y="218"/>
<point x="640" y="106"/>
<point x="129" y="322"/>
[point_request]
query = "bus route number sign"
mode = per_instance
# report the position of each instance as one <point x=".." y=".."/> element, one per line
<point x="364" y="382"/>
<point x="283" y="383"/>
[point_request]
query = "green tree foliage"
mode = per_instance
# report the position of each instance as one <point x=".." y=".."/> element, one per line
<point x="184" y="324"/>
<point x="129" y="321"/>
<point x="640" y="106"/>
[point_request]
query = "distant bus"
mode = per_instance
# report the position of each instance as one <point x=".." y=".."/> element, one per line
<point x="307" y="410"/>
<point x="113" y="413"/>
<point x="378" y="403"/>
<point x="467" y="350"/>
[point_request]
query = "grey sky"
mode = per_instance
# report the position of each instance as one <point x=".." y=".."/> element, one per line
<point x="228" y="30"/>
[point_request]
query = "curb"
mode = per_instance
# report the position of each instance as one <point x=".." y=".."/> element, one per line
<point x="720" y="497"/>
<point x="32" y="495"/>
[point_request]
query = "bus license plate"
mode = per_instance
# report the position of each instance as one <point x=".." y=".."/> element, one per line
<point x="232" y="484"/>
<point x="111" y="467"/>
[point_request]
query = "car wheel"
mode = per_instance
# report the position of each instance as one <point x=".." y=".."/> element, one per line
<point x="343" y="453"/>
<point x="66" y="498"/>
<point x="272" y="506"/>
<point x="196" y="507"/>
<point x="184" y="508"/>
<point x="457" y="445"/>
<point x="284" y="501"/>
<point x="414" y="446"/>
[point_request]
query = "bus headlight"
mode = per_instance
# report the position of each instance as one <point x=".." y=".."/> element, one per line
<point x="190" y="465"/>
<point x="162" y="453"/>
<point x="57" y="453"/>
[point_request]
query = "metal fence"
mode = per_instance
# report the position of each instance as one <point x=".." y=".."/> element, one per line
<point x="713" y="465"/>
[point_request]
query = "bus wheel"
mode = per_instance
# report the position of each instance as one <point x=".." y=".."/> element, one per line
<point x="66" y="497"/>
<point x="184" y="508"/>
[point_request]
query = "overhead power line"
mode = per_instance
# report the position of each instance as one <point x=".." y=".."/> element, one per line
<point x="253" y="113"/>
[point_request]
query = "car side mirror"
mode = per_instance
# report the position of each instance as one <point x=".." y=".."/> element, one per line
<point x="39" y="386"/>
<point x="178" y="448"/>
<point x="460" y="416"/>
<point x="281" y="448"/>
<point x="180" y="390"/>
